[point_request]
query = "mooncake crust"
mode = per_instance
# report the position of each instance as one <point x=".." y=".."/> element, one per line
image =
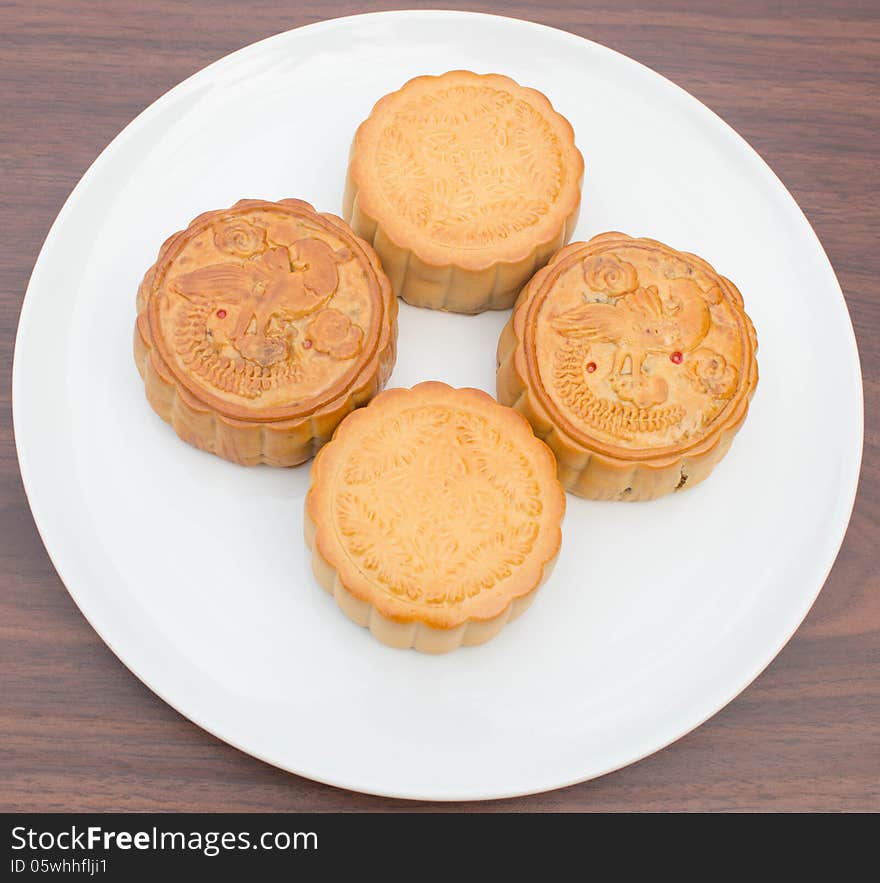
<point x="433" y="516"/>
<point x="629" y="416"/>
<point x="250" y="346"/>
<point x="475" y="256"/>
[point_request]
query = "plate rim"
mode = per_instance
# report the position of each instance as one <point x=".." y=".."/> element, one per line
<point x="130" y="130"/>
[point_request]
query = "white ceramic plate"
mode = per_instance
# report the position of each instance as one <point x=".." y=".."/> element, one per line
<point x="194" y="570"/>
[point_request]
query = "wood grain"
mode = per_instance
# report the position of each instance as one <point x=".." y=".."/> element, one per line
<point x="799" y="80"/>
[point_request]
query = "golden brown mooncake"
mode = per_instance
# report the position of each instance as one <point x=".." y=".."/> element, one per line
<point x="434" y="516"/>
<point x="634" y="362"/>
<point x="260" y="327"/>
<point x="465" y="184"/>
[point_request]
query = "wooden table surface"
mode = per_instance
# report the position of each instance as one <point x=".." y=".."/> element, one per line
<point x="799" y="80"/>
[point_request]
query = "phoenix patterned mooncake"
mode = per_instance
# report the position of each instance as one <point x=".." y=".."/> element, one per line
<point x="465" y="184"/>
<point x="260" y="327"/>
<point x="434" y="516"/>
<point x="634" y="362"/>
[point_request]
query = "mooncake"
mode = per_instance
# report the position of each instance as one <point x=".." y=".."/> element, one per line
<point x="433" y="516"/>
<point x="260" y="327"/>
<point x="465" y="184"/>
<point x="634" y="362"/>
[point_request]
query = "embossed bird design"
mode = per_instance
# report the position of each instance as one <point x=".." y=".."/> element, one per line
<point x="641" y="322"/>
<point x="271" y="284"/>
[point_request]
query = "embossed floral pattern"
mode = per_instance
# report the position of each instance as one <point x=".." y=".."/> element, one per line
<point x="711" y="372"/>
<point x="470" y="165"/>
<point x="407" y="490"/>
<point x="238" y="237"/>
<point x="333" y="333"/>
<point x="608" y="274"/>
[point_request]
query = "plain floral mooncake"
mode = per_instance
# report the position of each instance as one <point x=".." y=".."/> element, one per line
<point x="465" y="184"/>
<point x="260" y="327"/>
<point x="434" y="516"/>
<point x="634" y="362"/>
